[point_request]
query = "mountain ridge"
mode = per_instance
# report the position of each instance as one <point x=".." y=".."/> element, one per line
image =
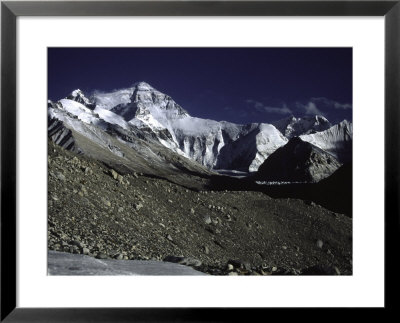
<point x="214" y="144"/>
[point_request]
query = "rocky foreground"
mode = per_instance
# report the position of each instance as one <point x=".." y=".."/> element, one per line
<point x="96" y="211"/>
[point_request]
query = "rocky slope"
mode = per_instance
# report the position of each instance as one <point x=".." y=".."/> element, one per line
<point x="102" y="212"/>
<point x="297" y="161"/>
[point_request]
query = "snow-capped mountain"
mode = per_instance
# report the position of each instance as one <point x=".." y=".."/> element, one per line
<point x="297" y="161"/>
<point x="292" y="127"/>
<point x="143" y="114"/>
<point x="195" y="138"/>
<point x="253" y="145"/>
<point x="337" y="140"/>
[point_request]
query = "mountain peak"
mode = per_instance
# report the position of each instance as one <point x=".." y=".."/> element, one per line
<point x="78" y="96"/>
<point x="143" y="86"/>
<point x="76" y="92"/>
<point x="345" y="122"/>
<point x="292" y="126"/>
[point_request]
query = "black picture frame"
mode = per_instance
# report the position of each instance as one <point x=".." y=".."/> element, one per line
<point x="10" y="10"/>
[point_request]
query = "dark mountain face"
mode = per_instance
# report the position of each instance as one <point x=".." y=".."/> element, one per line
<point x="297" y="161"/>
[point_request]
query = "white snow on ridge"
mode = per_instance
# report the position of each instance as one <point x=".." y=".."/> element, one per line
<point x="91" y="116"/>
<point x="111" y="117"/>
<point x="268" y="140"/>
<point x="74" y="107"/>
<point x="336" y="140"/>
<point x="328" y="139"/>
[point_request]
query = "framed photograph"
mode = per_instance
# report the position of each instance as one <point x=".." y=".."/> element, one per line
<point x="196" y="152"/>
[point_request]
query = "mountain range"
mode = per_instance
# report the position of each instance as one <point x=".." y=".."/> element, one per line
<point x="142" y="129"/>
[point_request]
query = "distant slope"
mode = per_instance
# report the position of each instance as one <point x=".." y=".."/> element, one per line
<point x="297" y="161"/>
<point x="249" y="151"/>
<point x="337" y="140"/>
<point x="293" y="127"/>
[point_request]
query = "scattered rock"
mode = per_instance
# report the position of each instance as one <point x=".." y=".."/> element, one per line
<point x="60" y="176"/>
<point x="207" y="219"/>
<point x="119" y="256"/>
<point x="105" y="201"/>
<point x="77" y="244"/>
<point x="88" y="171"/>
<point x="101" y="255"/>
<point x="114" y="174"/>
<point x="84" y="190"/>
<point x="120" y="179"/>
<point x="319" y="243"/>
<point x="137" y="206"/>
<point x="235" y="263"/>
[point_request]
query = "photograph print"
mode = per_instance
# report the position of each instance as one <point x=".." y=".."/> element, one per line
<point x="200" y="161"/>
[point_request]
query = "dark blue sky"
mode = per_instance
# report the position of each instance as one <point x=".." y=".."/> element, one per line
<point x="235" y="84"/>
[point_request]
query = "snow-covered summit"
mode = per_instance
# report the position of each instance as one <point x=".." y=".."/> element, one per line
<point x="143" y="86"/>
<point x="138" y="102"/>
<point x="78" y="96"/>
